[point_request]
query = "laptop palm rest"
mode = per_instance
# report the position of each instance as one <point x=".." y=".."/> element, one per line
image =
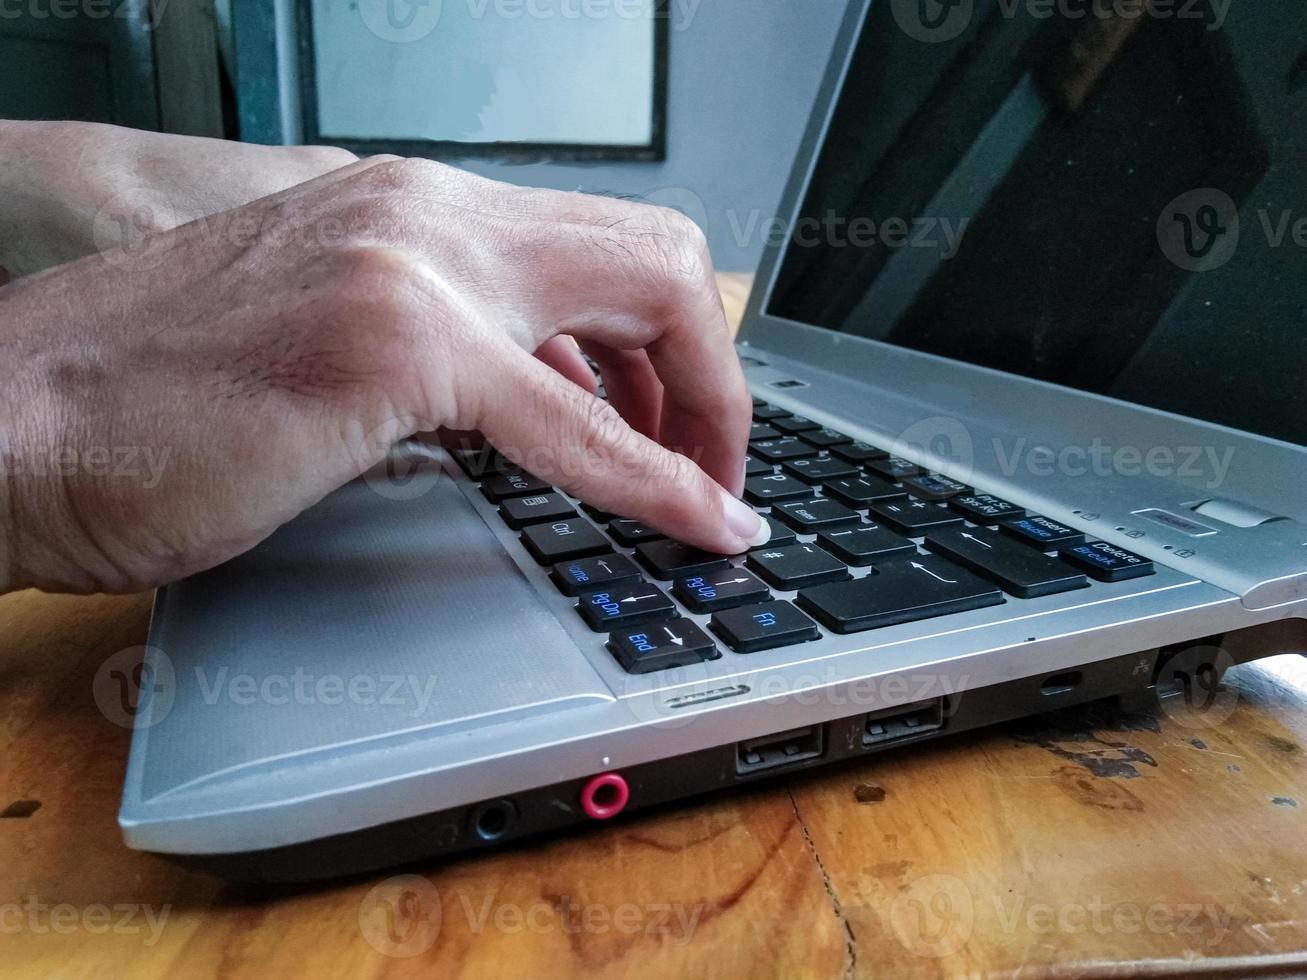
<point x="366" y="618"/>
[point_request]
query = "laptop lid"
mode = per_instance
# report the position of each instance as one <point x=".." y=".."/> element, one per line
<point x="1110" y="197"/>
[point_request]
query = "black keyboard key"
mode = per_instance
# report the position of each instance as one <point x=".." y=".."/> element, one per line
<point x="624" y="606"/>
<point x="602" y="516"/>
<point x="478" y="463"/>
<point x="811" y="516"/>
<point x="561" y="540"/>
<point x="894" y="467"/>
<point x="748" y="629"/>
<point x="1106" y="562"/>
<point x="590" y="574"/>
<point x="818" y="468"/>
<point x="764" y="490"/>
<point x="796" y="566"/>
<point x="912" y="517"/>
<point x="761" y="430"/>
<point x="824" y="438"/>
<point x="862" y="491"/>
<point x="756" y="467"/>
<point x="723" y="589"/>
<point x="518" y="512"/>
<point x="765" y="412"/>
<point x="1043" y="533"/>
<point x="859" y="452"/>
<point x="794" y="424"/>
<point x="779" y="450"/>
<point x="1021" y="571"/>
<point x="933" y="487"/>
<point x="780" y="534"/>
<point x="629" y="533"/>
<point x="661" y="646"/>
<point x="667" y="560"/>
<point x="501" y="486"/>
<point x="985" y="508"/>
<point x="898" y="592"/>
<point x="865" y="544"/>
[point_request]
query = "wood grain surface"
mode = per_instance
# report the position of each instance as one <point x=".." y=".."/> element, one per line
<point x="1094" y="842"/>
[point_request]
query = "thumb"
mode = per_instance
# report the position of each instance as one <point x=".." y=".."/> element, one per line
<point x="566" y="436"/>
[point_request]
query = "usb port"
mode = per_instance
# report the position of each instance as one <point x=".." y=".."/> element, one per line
<point x="775" y="751"/>
<point x="906" y="721"/>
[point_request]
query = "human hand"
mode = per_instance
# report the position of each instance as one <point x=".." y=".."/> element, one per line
<point x="68" y="189"/>
<point x="275" y="351"/>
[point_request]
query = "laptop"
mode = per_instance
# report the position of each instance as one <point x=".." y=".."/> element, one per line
<point x="1026" y="355"/>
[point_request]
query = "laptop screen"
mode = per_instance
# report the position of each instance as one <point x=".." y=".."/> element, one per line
<point x="1105" y="194"/>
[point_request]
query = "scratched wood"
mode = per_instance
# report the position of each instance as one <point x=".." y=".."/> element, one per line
<point x="1090" y="843"/>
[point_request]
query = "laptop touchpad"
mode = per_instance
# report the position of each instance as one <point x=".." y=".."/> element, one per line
<point x="366" y="617"/>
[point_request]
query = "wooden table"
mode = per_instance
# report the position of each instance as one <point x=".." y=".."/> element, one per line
<point x="1090" y="843"/>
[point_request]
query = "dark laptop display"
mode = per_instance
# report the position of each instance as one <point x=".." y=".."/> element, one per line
<point x="1103" y="198"/>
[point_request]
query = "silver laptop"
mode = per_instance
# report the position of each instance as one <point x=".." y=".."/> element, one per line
<point x="1027" y="352"/>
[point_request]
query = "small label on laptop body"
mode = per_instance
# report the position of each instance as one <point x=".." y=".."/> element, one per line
<point x="1176" y="522"/>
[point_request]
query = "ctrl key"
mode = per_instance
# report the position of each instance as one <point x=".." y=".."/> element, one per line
<point x="661" y="646"/>
<point x="748" y="629"/>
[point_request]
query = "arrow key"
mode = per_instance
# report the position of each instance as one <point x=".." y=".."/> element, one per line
<point x="623" y="606"/>
<point x="590" y="574"/>
<point x="676" y="643"/>
<point x="720" y="590"/>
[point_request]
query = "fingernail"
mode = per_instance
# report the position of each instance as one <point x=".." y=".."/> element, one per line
<point x="745" y="522"/>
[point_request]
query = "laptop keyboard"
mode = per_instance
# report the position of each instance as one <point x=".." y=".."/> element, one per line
<point x="862" y="539"/>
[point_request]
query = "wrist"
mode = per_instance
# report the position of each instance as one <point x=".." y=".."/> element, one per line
<point x="66" y="190"/>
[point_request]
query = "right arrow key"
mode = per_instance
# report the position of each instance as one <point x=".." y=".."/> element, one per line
<point x="901" y="591"/>
<point x="1020" y="570"/>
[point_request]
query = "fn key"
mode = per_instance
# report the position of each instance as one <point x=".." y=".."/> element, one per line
<point x="748" y="629"/>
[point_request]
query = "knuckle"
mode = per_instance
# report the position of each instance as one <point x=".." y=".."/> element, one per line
<point x="683" y="250"/>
